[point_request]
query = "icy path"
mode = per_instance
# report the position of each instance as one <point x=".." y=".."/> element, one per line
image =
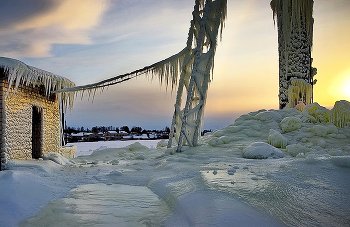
<point x="143" y="188"/>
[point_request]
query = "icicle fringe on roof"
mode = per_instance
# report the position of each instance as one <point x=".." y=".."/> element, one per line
<point x="18" y="73"/>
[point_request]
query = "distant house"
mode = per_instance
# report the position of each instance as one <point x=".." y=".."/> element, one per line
<point x="31" y="114"/>
<point x="114" y="135"/>
<point x="82" y="137"/>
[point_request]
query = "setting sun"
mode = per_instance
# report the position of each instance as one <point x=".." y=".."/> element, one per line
<point x="346" y="88"/>
<point x="343" y="85"/>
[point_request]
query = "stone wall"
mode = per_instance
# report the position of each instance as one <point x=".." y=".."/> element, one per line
<point x="17" y="128"/>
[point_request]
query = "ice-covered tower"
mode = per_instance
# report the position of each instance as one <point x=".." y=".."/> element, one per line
<point x="197" y="68"/>
<point x="295" y="29"/>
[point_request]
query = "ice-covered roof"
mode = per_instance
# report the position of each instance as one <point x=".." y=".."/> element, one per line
<point x="19" y="73"/>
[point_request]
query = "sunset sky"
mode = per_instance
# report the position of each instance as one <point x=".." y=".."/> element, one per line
<point x="91" y="40"/>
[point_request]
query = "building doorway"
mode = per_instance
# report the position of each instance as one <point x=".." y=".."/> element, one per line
<point x="37" y="133"/>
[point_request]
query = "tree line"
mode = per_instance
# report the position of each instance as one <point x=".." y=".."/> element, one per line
<point x="103" y="129"/>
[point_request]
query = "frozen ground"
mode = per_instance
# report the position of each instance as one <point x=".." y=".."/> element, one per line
<point x="234" y="178"/>
<point x="86" y="148"/>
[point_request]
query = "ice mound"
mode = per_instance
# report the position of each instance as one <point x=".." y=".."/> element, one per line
<point x="341" y="113"/>
<point x="162" y="143"/>
<point x="320" y="113"/>
<point x="324" y="130"/>
<point x="297" y="149"/>
<point x="262" y="150"/>
<point x="268" y="115"/>
<point x="215" y="141"/>
<point x="289" y="124"/>
<point x="57" y="158"/>
<point x="276" y="139"/>
<point x="137" y="146"/>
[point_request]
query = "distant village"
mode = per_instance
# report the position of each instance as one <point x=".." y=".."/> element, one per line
<point x="101" y="133"/>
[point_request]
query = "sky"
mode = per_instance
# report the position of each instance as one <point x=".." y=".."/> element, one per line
<point x="91" y="40"/>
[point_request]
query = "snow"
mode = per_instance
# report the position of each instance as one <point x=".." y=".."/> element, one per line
<point x="276" y="139"/>
<point x="86" y="148"/>
<point x="261" y="150"/>
<point x="218" y="183"/>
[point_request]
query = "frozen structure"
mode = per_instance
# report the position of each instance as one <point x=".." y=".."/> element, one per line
<point x="295" y="30"/>
<point x="31" y="114"/>
<point x="195" y="75"/>
<point x="190" y="69"/>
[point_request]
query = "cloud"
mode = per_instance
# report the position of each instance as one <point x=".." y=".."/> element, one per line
<point x="40" y="27"/>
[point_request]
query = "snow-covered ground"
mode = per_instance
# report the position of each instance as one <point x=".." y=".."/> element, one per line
<point x="86" y="148"/>
<point x="234" y="178"/>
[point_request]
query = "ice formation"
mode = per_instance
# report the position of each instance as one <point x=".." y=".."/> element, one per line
<point x="18" y="73"/>
<point x="299" y="91"/>
<point x="193" y="65"/>
<point x="233" y="177"/>
<point x="319" y="113"/>
<point x="276" y="139"/>
<point x="195" y="76"/>
<point x="340" y="115"/>
<point x="262" y="150"/>
<point x="289" y="124"/>
<point x="295" y="28"/>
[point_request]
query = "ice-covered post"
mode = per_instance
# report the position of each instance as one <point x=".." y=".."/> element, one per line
<point x="295" y="30"/>
<point x="195" y="76"/>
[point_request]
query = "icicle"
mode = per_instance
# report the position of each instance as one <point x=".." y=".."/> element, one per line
<point x="18" y="73"/>
<point x="166" y="70"/>
<point x="294" y="18"/>
<point x="300" y="90"/>
<point x="340" y="115"/>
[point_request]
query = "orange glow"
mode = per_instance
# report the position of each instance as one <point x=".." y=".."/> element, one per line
<point x="344" y="85"/>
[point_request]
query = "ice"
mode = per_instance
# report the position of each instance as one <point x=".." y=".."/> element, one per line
<point x="297" y="149"/>
<point x="131" y="183"/>
<point x="59" y="159"/>
<point x="261" y="150"/>
<point x="289" y="124"/>
<point x="276" y="139"/>
<point x="86" y="148"/>
<point x="341" y="113"/>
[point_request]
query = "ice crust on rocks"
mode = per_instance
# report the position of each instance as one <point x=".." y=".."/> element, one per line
<point x="261" y="150"/>
<point x="276" y="139"/>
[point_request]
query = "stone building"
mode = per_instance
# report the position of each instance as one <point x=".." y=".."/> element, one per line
<point x="31" y="114"/>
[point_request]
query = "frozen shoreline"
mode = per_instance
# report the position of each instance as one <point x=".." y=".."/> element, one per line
<point x="235" y="177"/>
<point x="86" y="148"/>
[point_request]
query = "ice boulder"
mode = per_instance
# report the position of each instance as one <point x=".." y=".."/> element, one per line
<point x="323" y="130"/>
<point x="289" y="124"/>
<point x="340" y="115"/>
<point x="57" y="158"/>
<point x="268" y="115"/>
<point x="261" y="150"/>
<point x="276" y="139"/>
<point x="297" y="149"/>
<point x="320" y="113"/>
<point x="137" y="146"/>
<point x="218" y="141"/>
<point x="162" y="143"/>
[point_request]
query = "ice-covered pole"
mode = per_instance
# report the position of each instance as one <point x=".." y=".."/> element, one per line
<point x="295" y="29"/>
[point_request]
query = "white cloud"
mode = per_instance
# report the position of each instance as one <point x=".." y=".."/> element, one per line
<point x="68" y="22"/>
